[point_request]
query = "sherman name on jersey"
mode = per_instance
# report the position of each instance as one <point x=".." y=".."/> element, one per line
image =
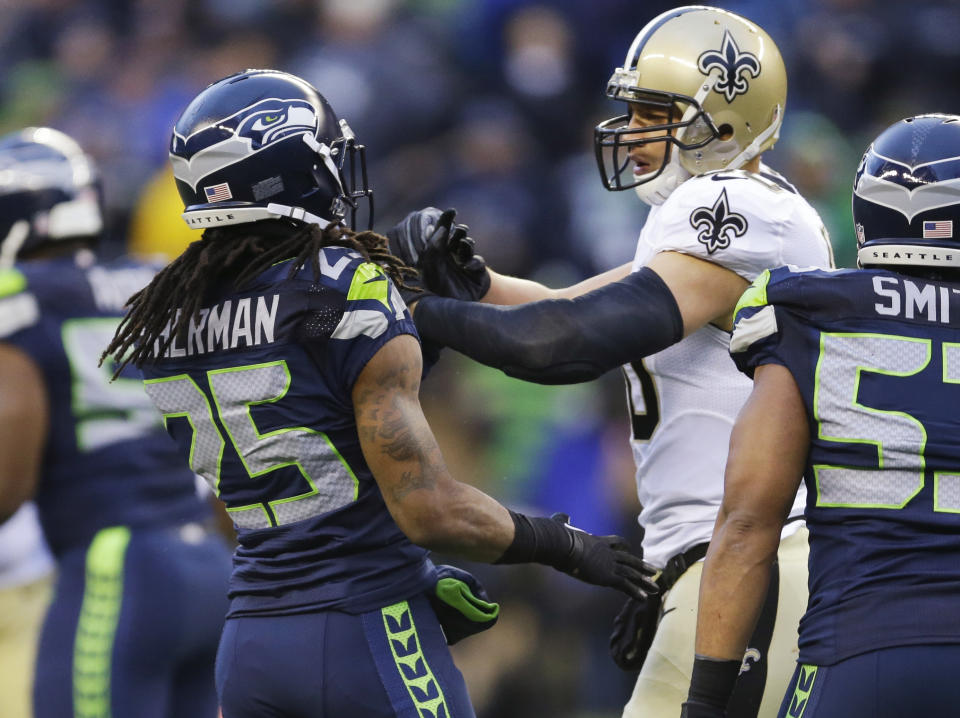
<point x="688" y="395"/>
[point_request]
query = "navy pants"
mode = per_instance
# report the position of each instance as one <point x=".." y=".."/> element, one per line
<point x="901" y="682"/>
<point x="134" y="625"/>
<point x="391" y="662"/>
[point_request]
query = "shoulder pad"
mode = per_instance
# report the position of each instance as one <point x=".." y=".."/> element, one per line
<point x="368" y="300"/>
<point x="334" y="265"/>
<point x="753" y="318"/>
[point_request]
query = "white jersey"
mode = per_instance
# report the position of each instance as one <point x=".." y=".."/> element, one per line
<point x="24" y="556"/>
<point x="684" y="399"/>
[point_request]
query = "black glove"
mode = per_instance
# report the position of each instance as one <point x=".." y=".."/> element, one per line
<point x="695" y="709"/>
<point x="428" y="240"/>
<point x="633" y="631"/>
<point x="409" y="237"/>
<point x="606" y="561"/>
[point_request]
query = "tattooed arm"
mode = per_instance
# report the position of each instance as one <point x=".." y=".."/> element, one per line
<point x="439" y="513"/>
<point x="429" y="506"/>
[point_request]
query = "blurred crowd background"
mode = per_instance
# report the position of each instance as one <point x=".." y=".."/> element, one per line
<point x="487" y="106"/>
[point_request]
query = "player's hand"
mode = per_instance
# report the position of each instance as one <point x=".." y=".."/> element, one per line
<point x="696" y="709"/>
<point x="441" y="250"/>
<point x="606" y="561"/>
<point x="633" y="630"/>
<point x="409" y="236"/>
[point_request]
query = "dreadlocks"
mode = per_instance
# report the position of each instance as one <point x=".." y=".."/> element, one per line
<point x="178" y="291"/>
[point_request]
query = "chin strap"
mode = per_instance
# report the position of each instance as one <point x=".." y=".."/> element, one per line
<point x="656" y="191"/>
<point x="753" y="149"/>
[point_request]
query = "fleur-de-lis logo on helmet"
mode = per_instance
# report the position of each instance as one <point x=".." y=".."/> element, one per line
<point x="733" y="66"/>
<point x="717" y="224"/>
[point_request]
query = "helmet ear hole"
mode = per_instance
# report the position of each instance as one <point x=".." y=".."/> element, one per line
<point x="725" y="131"/>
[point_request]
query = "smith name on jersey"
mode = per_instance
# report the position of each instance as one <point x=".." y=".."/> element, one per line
<point x="107" y="461"/>
<point x="876" y="356"/>
<point x="258" y="395"/>
<point x="689" y="394"/>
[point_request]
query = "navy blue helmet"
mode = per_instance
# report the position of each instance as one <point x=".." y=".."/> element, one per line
<point x="906" y="195"/>
<point x="264" y="144"/>
<point x="49" y="192"/>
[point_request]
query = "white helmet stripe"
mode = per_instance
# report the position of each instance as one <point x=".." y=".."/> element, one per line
<point x="212" y="159"/>
<point x="636" y="47"/>
<point x="916" y="166"/>
<point x="909" y="202"/>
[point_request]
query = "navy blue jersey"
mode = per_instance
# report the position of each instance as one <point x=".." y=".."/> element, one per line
<point x="259" y="398"/>
<point x="877" y="358"/>
<point x="107" y="460"/>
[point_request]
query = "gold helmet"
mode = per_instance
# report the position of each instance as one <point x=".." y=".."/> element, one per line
<point x="722" y="82"/>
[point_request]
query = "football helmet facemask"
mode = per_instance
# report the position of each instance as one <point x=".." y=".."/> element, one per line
<point x="264" y="144"/>
<point x="906" y="195"/>
<point x="722" y="84"/>
<point x="49" y="192"/>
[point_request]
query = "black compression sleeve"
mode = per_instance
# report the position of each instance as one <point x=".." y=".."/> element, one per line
<point x="559" y="341"/>
<point x="712" y="681"/>
<point x="538" y="540"/>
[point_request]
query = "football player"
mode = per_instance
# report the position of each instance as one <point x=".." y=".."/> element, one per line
<point x="704" y="92"/>
<point x="281" y="354"/>
<point x="138" y="603"/>
<point x="855" y="388"/>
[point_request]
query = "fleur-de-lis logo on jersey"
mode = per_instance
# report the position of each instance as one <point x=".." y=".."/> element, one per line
<point x="717" y="224"/>
<point x="733" y="65"/>
<point x="750" y="657"/>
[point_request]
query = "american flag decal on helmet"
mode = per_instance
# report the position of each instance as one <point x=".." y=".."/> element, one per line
<point x="218" y="192"/>
<point x="938" y="230"/>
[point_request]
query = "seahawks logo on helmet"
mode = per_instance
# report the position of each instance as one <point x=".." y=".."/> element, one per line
<point x="717" y="224"/>
<point x="238" y="136"/>
<point x="733" y="65"/>
<point x="909" y="189"/>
